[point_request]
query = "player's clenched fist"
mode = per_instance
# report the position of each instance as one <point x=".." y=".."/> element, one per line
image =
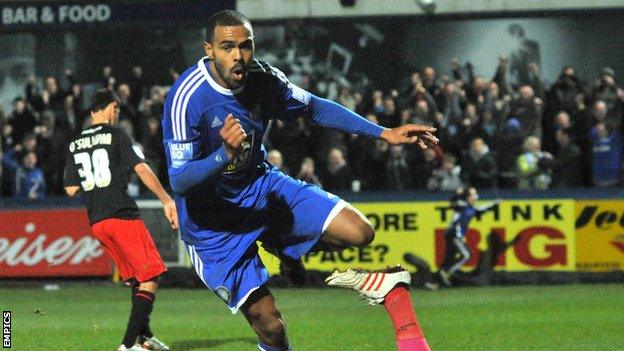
<point x="233" y="135"/>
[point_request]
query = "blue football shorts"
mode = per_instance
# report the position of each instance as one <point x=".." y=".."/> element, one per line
<point x="277" y="210"/>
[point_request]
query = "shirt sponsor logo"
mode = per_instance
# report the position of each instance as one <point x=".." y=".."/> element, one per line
<point x="243" y="158"/>
<point x="180" y="153"/>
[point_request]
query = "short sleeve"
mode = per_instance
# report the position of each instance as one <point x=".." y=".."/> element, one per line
<point x="130" y="155"/>
<point x="70" y="175"/>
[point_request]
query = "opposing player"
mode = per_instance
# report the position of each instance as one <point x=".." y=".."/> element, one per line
<point x="457" y="253"/>
<point x="228" y="196"/>
<point x="98" y="165"/>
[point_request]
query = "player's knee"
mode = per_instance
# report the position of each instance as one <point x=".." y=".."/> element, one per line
<point x="364" y="233"/>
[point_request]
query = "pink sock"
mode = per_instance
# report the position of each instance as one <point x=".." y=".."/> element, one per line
<point x="416" y="344"/>
<point x="409" y="335"/>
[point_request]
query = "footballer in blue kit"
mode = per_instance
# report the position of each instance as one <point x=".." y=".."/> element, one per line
<point x="456" y="252"/>
<point x="228" y="196"/>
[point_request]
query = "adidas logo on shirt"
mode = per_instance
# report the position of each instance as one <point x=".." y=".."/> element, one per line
<point x="216" y="122"/>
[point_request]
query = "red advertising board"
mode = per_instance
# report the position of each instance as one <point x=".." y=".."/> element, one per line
<point x="50" y="243"/>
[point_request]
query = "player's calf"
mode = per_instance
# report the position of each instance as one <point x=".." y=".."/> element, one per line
<point x="272" y="332"/>
<point x="266" y="320"/>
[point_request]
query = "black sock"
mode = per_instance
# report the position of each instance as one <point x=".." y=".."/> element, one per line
<point x="146" y="331"/>
<point x="142" y="302"/>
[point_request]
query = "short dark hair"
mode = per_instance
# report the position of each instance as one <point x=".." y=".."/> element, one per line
<point x="102" y="98"/>
<point x="224" y="18"/>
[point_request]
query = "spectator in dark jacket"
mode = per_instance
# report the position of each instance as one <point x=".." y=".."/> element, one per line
<point x="390" y="117"/>
<point x="567" y="167"/>
<point x="509" y="147"/>
<point x="292" y="137"/>
<point x="497" y="104"/>
<point x="152" y="141"/>
<point x="137" y="87"/>
<point x="563" y="92"/>
<point x="307" y="172"/>
<point x="398" y="172"/>
<point x="423" y="165"/>
<point x="528" y="110"/>
<point x="69" y="119"/>
<point x="51" y="98"/>
<point x="479" y="168"/>
<point x="372" y="164"/>
<point x="337" y="175"/>
<point x="21" y="120"/>
<point x="450" y="104"/>
<point x="607" y="90"/>
<point x="53" y="142"/>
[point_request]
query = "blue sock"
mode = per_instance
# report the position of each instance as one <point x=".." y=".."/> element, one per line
<point x="264" y="347"/>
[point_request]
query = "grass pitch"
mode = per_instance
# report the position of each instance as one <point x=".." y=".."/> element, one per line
<point x="527" y="318"/>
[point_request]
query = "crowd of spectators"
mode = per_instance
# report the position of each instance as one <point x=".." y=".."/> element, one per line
<point x="493" y="134"/>
<point x="34" y="136"/>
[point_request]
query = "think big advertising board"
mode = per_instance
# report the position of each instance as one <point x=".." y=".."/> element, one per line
<point x="543" y="229"/>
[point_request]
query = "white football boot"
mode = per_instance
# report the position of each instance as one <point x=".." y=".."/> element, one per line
<point x="372" y="286"/>
<point x="154" y="344"/>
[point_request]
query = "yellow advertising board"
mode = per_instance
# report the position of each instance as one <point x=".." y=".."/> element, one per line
<point x="545" y="230"/>
<point x="599" y="235"/>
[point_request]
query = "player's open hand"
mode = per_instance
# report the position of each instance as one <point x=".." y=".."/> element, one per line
<point x="233" y="135"/>
<point x="171" y="213"/>
<point x="410" y="134"/>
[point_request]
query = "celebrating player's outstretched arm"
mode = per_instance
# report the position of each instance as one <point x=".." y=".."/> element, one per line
<point x="410" y="134"/>
<point x="330" y="114"/>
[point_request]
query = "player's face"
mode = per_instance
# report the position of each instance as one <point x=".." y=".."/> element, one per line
<point x="231" y="53"/>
